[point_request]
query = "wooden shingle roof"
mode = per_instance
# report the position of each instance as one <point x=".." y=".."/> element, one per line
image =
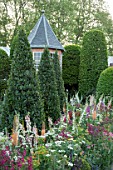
<point x="43" y="36"/>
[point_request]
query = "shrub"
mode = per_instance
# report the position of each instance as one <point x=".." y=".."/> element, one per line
<point x="22" y="95"/>
<point x="93" y="61"/>
<point x="70" y="68"/>
<point x="105" y="83"/>
<point x="48" y="87"/>
<point x="59" y="80"/>
<point x="4" y="72"/>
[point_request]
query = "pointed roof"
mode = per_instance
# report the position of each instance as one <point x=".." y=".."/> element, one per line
<point x="43" y="36"/>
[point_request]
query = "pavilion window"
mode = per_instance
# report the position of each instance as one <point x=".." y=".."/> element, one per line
<point x="37" y="58"/>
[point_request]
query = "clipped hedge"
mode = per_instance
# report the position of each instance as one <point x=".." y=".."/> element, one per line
<point x="70" y="67"/>
<point x="93" y="60"/>
<point x="105" y="83"/>
<point x="4" y="71"/>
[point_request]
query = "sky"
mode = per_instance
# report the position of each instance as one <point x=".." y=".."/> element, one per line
<point x="110" y="3"/>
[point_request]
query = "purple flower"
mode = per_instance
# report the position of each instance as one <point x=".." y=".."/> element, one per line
<point x="24" y="153"/>
<point x="88" y="109"/>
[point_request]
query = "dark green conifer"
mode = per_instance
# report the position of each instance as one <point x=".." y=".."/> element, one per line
<point x="48" y="87"/>
<point x="59" y="80"/>
<point x="23" y="94"/>
<point x="5" y="65"/>
<point x="70" y="68"/>
<point x="93" y="60"/>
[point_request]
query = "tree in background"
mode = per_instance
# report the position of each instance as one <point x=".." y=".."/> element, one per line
<point x="4" y="72"/>
<point x="105" y="83"/>
<point x="23" y="95"/>
<point x="48" y="87"/>
<point x="5" y="30"/>
<point x="70" y="68"/>
<point x="59" y="80"/>
<point x="93" y="60"/>
<point x="69" y="20"/>
<point x="105" y="23"/>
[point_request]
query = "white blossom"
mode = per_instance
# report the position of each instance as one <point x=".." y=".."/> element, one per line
<point x="48" y="144"/>
<point x="48" y="155"/>
<point x="58" y="161"/>
<point x="52" y="150"/>
<point x="70" y="164"/>
<point x="65" y="156"/>
<point x="60" y="151"/>
<point x="70" y="147"/>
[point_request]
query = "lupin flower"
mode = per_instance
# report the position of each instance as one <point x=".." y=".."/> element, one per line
<point x="28" y="123"/>
<point x="43" y="129"/>
<point x="35" y="131"/>
<point x="92" y="100"/>
<point x="15" y="130"/>
<point x="15" y="138"/>
<point x="109" y="104"/>
<point x="94" y="114"/>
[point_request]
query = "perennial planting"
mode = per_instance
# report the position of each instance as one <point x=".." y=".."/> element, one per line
<point x="82" y="139"/>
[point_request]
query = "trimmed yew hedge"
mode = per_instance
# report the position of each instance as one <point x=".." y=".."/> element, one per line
<point x="4" y="71"/>
<point x="105" y="83"/>
<point x="70" y="67"/>
<point x="48" y="87"/>
<point x="93" y="61"/>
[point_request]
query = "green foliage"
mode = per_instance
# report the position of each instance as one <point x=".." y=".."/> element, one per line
<point x="13" y="46"/>
<point x="85" y="165"/>
<point x="93" y="61"/>
<point x="59" y="80"/>
<point x="105" y="83"/>
<point x="70" y="70"/>
<point x="4" y="71"/>
<point x="22" y="95"/>
<point x="48" y="87"/>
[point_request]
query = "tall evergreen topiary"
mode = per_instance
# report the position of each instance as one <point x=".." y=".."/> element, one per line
<point x="70" y="68"/>
<point x="13" y="46"/>
<point x="105" y="83"/>
<point x="48" y="87"/>
<point x="93" y="61"/>
<point x="4" y="72"/>
<point x="59" y="80"/>
<point x="23" y="94"/>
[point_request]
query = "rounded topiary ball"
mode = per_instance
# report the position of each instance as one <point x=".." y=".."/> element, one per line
<point x="105" y="83"/>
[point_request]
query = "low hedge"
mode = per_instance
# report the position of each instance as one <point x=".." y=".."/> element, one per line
<point x="105" y="83"/>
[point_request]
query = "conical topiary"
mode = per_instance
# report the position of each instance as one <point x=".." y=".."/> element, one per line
<point x="5" y="65"/>
<point x="23" y="93"/>
<point x="59" y="80"/>
<point x="48" y="87"/>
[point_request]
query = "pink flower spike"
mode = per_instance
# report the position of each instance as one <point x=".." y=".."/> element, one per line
<point x="110" y="134"/>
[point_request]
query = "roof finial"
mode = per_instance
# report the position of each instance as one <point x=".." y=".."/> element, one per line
<point x="42" y="11"/>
